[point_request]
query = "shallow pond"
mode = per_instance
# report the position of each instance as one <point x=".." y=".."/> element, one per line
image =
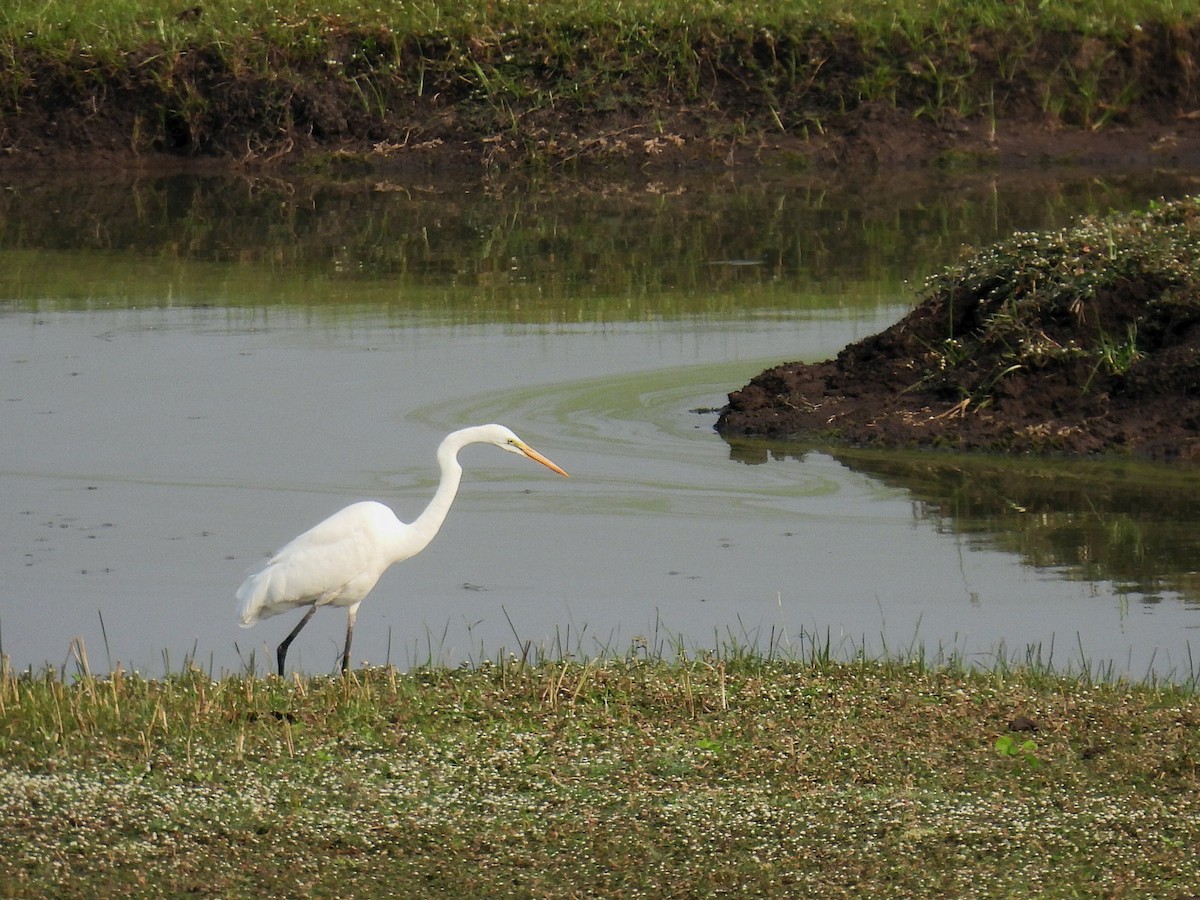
<point x="192" y="371"/>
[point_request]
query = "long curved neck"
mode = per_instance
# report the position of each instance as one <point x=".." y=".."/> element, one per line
<point x="430" y="521"/>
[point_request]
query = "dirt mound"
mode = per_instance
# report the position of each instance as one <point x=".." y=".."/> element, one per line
<point x="1080" y="342"/>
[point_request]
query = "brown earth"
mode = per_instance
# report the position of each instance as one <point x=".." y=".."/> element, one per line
<point x="898" y="388"/>
<point x="64" y="129"/>
<point x="496" y="99"/>
<point x="870" y="139"/>
<point x="864" y="397"/>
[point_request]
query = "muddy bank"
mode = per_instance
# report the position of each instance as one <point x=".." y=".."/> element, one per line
<point x="871" y="139"/>
<point x="1084" y="341"/>
<point x="315" y="91"/>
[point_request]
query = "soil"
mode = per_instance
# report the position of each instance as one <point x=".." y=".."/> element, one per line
<point x="64" y="131"/>
<point x="899" y="389"/>
<point x="863" y="397"/>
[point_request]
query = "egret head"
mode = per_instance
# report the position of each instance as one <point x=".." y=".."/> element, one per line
<point x="505" y="439"/>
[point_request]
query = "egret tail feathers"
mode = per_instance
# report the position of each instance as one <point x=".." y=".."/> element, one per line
<point x="254" y="597"/>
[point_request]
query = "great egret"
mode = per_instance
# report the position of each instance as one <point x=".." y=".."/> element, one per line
<point x="337" y="562"/>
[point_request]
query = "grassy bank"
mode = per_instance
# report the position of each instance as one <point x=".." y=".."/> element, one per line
<point x="618" y="778"/>
<point x="558" y="81"/>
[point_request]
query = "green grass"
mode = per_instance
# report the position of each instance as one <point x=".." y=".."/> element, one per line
<point x="115" y="25"/>
<point x="631" y="777"/>
<point x="560" y="81"/>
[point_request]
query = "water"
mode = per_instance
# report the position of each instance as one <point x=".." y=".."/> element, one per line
<point x="193" y="371"/>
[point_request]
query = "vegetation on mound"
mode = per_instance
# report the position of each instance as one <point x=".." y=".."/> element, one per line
<point x="1112" y="301"/>
<point x="562" y="80"/>
<point x="729" y="774"/>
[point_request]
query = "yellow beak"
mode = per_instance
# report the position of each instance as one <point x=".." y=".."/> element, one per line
<point x="537" y="457"/>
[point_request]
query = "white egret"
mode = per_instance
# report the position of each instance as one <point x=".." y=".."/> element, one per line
<point x="339" y="561"/>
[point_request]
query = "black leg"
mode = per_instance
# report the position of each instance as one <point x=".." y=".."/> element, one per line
<point x="281" y="653"/>
<point x="350" y="617"/>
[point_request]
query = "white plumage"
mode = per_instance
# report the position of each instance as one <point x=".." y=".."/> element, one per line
<point x="338" y="561"/>
<point x="335" y="563"/>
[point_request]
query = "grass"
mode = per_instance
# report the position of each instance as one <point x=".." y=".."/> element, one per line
<point x="634" y="777"/>
<point x="559" y="81"/>
<point x="110" y="25"/>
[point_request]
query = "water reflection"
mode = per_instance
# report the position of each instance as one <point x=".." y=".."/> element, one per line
<point x="1133" y="525"/>
<point x="490" y="252"/>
